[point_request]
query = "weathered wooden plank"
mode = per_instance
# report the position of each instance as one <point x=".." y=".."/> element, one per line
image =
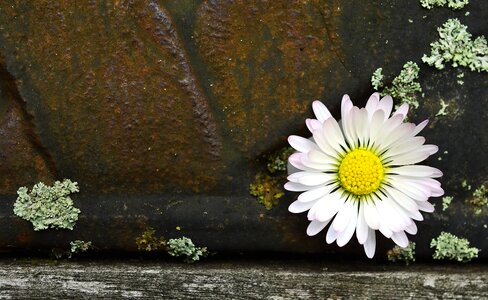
<point x="258" y="279"/>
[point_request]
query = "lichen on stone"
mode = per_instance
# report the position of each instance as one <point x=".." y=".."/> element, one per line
<point x="453" y="4"/>
<point x="148" y="241"/>
<point x="446" y="201"/>
<point x="48" y="206"/>
<point x="79" y="246"/>
<point x="267" y="189"/>
<point x="443" y="110"/>
<point x="456" y="46"/>
<point x="184" y="247"/>
<point x="405" y="87"/>
<point x="479" y="199"/>
<point x="406" y="254"/>
<point x="278" y="161"/>
<point x="450" y="247"/>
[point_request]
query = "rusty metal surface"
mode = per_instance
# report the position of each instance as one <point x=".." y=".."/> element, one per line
<point x="163" y="110"/>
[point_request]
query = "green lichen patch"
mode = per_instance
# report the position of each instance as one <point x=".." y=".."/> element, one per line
<point x="405" y="87"/>
<point x="450" y="247"/>
<point x="79" y="246"/>
<point x="278" y="161"/>
<point x="453" y="4"/>
<point x="148" y="241"/>
<point x="479" y="199"/>
<point x="184" y="247"/>
<point x="48" y="206"/>
<point x="446" y="201"/>
<point x="406" y="254"/>
<point x="456" y="46"/>
<point x="443" y="110"/>
<point x="267" y="189"/>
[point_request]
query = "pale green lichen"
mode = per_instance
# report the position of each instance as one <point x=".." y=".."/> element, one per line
<point x="454" y="4"/>
<point x="184" y="247"/>
<point x="456" y="46"/>
<point x="278" y="161"/>
<point x="479" y="199"/>
<point x="466" y="185"/>
<point x="442" y="111"/>
<point x="79" y="246"/>
<point x="446" y="201"/>
<point x="404" y="87"/>
<point x="148" y="241"/>
<point x="451" y="247"/>
<point x="48" y="206"/>
<point x="406" y="254"/>
<point x="460" y="77"/>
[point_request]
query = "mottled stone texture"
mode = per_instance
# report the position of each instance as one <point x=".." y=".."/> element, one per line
<point x="163" y="110"/>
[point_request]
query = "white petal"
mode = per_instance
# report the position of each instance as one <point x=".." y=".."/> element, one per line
<point x="362" y="227"/>
<point x="416" y="171"/>
<point x="385" y="230"/>
<point x="322" y="141"/>
<point x="333" y="134"/>
<point x="313" y="124"/>
<point x="296" y="161"/>
<point x="371" y="214"/>
<point x="321" y="158"/>
<point x="425" y="206"/>
<point x="296" y="187"/>
<point x="331" y="204"/>
<point x="412" y="228"/>
<point x="406" y="146"/>
<point x="343" y="216"/>
<point x="310" y="178"/>
<point x="414" y="156"/>
<point x="362" y="126"/>
<point x="389" y="126"/>
<point x="386" y="104"/>
<point x="403" y="200"/>
<point x="416" y="192"/>
<point x="402" y="110"/>
<point x="299" y="207"/>
<point x="346" y="235"/>
<point x="402" y="132"/>
<point x="400" y="238"/>
<point x="370" y="244"/>
<point x="301" y="144"/>
<point x="315" y="227"/>
<point x="315" y="194"/>
<point x="417" y="216"/>
<point x="333" y="165"/>
<point x="320" y="111"/>
<point x="331" y="235"/>
<point x="372" y="104"/>
<point x="349" y="127"/>
<point x="377" y="121"/>
<point x="388" y="216"/>
<point x="420" y="127"/>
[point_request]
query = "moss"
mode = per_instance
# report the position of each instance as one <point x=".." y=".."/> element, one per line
<point x="479" y="200"/>
<point x="405" y="87"/>
<point x="48" y="206"/>
<point x="450" y="247"/>
<point x="148" y="241"/>
<point x="456" y="46"/>
<point x="184" y="247"/>
<point x="406" y="254"/>
<point x="446" y="201"/>
<point x="79" y="246"/>
<point x="278" y="161"/>
<point x="454" y="4"/>
<point x="267" y="189"/>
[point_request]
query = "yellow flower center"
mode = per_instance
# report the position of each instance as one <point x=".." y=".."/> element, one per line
<point x="361" y="172"/>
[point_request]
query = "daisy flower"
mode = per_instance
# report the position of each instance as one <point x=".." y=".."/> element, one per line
<point x="359" y="174"/>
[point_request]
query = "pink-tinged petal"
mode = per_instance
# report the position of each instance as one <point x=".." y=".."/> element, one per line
<point x="406" y="146"/>
<point x="310" y="178"/>
<point x="425" y="206"/>
<point x="416" y="192"/>
<point x="299" y="207"/>
<point x="322" y="167"/>
<point x="345" y="236"/>
<point x="331" y="204"/>
<point x="313" y="124"/>
<point x="296" y="187"/>
<point x="331" y="235"/>
<point x="400" y="198"/>
<point x="416" y="215"/>
<point x="420" y="127"/>
<point x="371" y="214"/>
<point x="315" y="194"/>
<point x="413" y="157"/>
<point x="372" y="104"/>
<point x="416" y="171"/>
<point x="315" y="227"/>
<point x="301" y="144"/>
<point x="343" y="216"/>
<point x="386" y="104"/>
<point x="402" y="110"/>
<point x="370" y="244"/>
<point x="320" y="111"/>
<point x="296" y="161"/>
<point x="411" y="229"/>
<point x="400" y="238"/>
<point x="362" y="226"/>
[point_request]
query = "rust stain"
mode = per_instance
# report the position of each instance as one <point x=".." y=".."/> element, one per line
<point x="112" y="95"/>
<point x="268" y="61"/>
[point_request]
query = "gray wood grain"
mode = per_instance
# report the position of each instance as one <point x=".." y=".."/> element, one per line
<point x="258" y="279"/>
